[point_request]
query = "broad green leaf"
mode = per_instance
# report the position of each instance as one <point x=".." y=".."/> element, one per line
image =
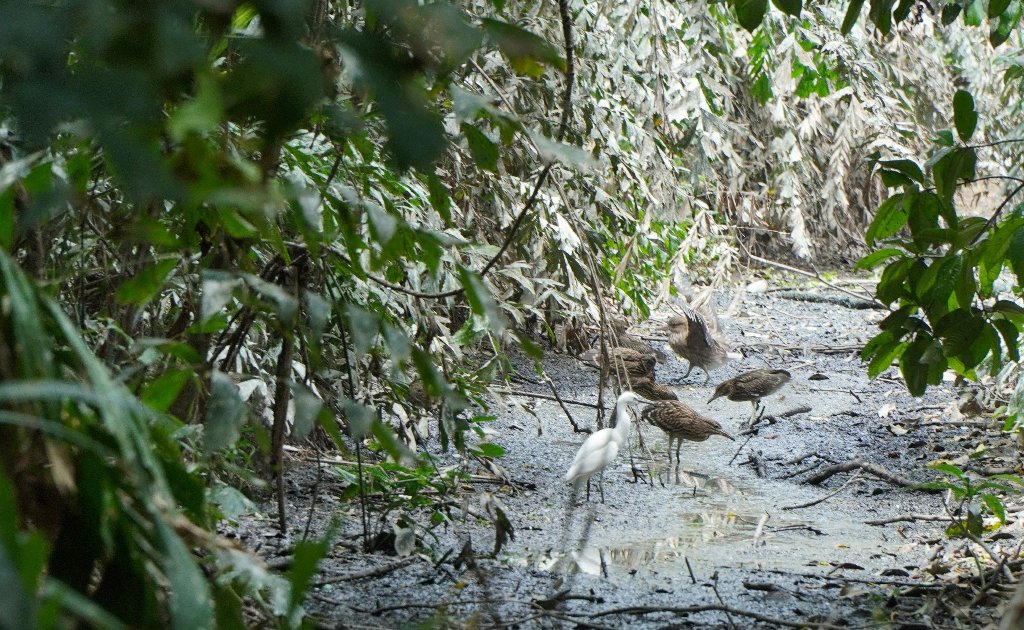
<point x="873" y="259"/>
<point x="490" y="449"/>
<point x="381" y="222"/>
<point x="889" y="219"/>
<point x="1011" y="337"/>
<point x="903" y="10"/>
<point x="308" y="408"/>
<point x="358" y="417"/>
<point x="146" y="284"/>
<point x="965" y="117"/>
<point x="958" y="330"/>
<point x="202" y="114"/>
<point x="974" y="13"/>
<point x="948" y="469"/>
<point x="191" y="603"/>
<point x="363" y="326"/>
<point x="525" y="51"/>
<point x="750" y="12"/>
<point x="996" y="7"/>
<point x="852" y="15"/>
<point x="909" y="168"/>
<point x="164" y="390"/>
<point x="1008" y="20"/>
<point x="217" y="289"/>
<point x="485" y="152"/>
<point x="480" y="299"/>
<point x="225" y="413"/>
<point x="305" y="560"/>
<point x="789" y="7"/>
<point x="995" y="505"/>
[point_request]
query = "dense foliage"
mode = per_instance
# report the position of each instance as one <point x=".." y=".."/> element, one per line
<point x="333" y="217"/>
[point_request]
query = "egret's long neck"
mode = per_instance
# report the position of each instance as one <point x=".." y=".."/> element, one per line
<point x="622" y="420"/>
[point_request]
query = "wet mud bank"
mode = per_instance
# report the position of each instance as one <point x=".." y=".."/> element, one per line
<point x="739" y="534"/>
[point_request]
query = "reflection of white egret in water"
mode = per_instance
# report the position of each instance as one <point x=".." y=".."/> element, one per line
<point x="600" y="449"/>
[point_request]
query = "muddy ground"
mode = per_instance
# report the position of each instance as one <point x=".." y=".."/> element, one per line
<point x="723" y="542"/>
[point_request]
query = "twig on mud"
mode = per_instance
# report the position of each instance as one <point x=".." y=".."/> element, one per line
<point x="837" y="391"/>
<point x="714" y="587"/>
<point x="868" y="467"/>
<point x="689" y="610"/>
<point x="568" y="401"/>
<point x="367" y="573"/>
<point x="575" y="427"/>
<point x="855" y="347"/>
<point x="828" y="496"/>
<point x="760" y="527"/>
<point x="910" y="518"/>
<point x="846" y="578"/>
<point x="737" y="453"/>
<point x="809" y="274"/>
<point x="755" y="461"/>
<point x="693" y="578"/>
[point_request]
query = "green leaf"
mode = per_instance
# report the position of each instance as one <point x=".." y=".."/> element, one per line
<point x="381" y="222"/>
<point x="889" y="219"/>
<point x="903" y="10"/>
<point x="1008" y="20"/>
<point x="852" y="15"/>
<point x="873" y="259"/>
<point x="525" y="51"/>
<point x="789" y="7"/>
<point x="950" y="13"/>
<point x="164" y="390"/>
<point x="1011" y="337"/>
<point x="225" y="413"/>
<point x="484" y="151"/>
<point x="490" y="449"/>
<point x="975" y="12"/>
<point x="996" y="7"/>
<point x="200" y="115"/>
<point x="358" y="418"/>
<point x="308" y="408"/>
<point x="146" y="284"/>
<point x="880" y="13"/>
<point x="909" y="168"/>
<point x="958" y="330"/>
<point x="305" y="560"/>
<point x="363" y="326"/>
<point x="948" y="469"/>
<point x="480" y="299"/>
<point x="965" y="117"/>
<point x="191" y="603"/>
<point x="750" y="12"/>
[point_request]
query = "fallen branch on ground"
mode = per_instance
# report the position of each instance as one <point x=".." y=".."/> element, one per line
<point x="800" y="506"/>
<point x="688" y="610"/>
<point x="368" y="573"/>
<point x="868" y="467"/>
<point x="910" y="518"/>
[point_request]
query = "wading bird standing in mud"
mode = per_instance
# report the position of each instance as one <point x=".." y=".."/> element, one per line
<point x="651" y="390"/>
<point x="680" y="422"/>
<point x="622" y="339"/>
<point x="625" y="361"/>
<point x="697" y="341"/>
<point x="753" y="386"/>
<point x="600" y="448"/>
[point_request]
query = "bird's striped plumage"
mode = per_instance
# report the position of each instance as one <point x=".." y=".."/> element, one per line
<point x="691" y="337"/>
<point x="681" y="422"/>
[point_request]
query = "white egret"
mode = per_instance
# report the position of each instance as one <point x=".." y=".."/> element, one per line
<point x="601" y="448"/>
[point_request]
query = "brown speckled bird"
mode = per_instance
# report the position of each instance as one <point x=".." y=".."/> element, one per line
<point x="652" y="390"/>
<point x="680" y="422"/>
<point x="630" y="363"/>
<point x="692" y="339"/>
<point x="622" y="339"/>
<point x="753" y="386"/>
